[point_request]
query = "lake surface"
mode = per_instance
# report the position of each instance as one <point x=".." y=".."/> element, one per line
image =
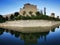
<point x="10" y="37"/>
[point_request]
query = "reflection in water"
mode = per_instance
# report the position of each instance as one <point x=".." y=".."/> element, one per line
<point x="57" y="26"/>
<point x="1" y="31"/>
<point x="53" y="30"/>
<point x="29" y="38"/>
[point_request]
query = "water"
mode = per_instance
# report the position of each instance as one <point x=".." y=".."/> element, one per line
<point x="9" y="37"/>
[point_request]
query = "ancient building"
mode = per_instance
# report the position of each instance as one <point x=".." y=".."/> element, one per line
<point x="28" y="9"/>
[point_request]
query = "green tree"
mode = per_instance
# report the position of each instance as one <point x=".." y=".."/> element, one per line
<point x="2" y="19"/>
<point x="12" y="17"/>
<point x="38" y="13"/>
<point x="6" y="18"/>
<point x="27" y="17"/>
<point x="16" y="14"/>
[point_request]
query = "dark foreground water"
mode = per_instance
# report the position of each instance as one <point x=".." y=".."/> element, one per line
<point x="9" y="37"/>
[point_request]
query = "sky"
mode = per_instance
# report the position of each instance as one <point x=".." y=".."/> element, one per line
<point x="11" y="6"/>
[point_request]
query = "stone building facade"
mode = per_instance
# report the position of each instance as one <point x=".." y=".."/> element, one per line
<point x="28" y="8"/>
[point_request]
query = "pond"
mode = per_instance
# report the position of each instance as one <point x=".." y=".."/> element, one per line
<point x="10" y="37"/>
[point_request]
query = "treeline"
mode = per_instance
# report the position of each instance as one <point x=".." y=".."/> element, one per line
<point x="17" y="16"/>
<point x="2" y="19"/>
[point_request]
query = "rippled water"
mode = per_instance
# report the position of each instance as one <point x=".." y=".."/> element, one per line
<point x="9" y="37"/>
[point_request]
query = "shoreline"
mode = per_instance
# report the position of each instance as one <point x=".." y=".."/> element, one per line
<point x="30" y="25"/>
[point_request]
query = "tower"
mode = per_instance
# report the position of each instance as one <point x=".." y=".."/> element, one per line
<point x="41" y="11"/>
<point x="44" y="11"/>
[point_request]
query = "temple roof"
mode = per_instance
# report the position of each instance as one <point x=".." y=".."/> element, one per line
<point x="27" y="4"/>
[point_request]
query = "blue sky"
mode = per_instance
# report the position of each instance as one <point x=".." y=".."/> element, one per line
<point x="11" y="6"/>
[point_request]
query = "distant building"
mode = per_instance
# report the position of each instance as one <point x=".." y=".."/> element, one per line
<point x="52" y="14"/>
<point x="28" y="8"/>
<point x="8" y="15"/>
<point x="44" y="11"/>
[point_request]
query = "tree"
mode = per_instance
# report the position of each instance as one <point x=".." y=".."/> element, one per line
<point x="1" y="16"/>
<point x="6" y="18"/>
<point x="38" y="13"/>
<point x="12" y="17"/>
<point x="27" y="17"/>
<point x="16" y="14"/>
<point x="2" y="19"/>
